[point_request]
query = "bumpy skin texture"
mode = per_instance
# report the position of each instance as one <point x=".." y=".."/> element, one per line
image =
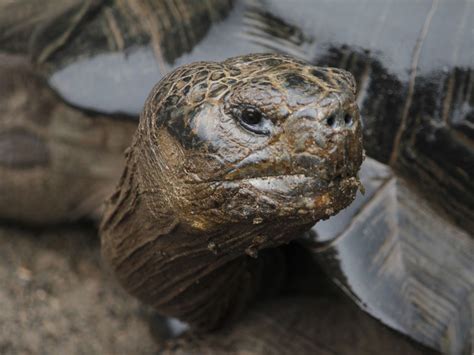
<point x="230" y="160"/>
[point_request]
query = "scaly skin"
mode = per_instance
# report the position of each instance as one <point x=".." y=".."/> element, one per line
<point x="212" y="191"/>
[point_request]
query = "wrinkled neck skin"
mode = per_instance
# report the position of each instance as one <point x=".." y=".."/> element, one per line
<point x="187" y="268"/>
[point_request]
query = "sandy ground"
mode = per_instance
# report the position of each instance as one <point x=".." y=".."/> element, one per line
<point x="57" y="298"/>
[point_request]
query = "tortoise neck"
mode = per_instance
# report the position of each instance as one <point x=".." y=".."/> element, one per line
<point x="201" y="278"/>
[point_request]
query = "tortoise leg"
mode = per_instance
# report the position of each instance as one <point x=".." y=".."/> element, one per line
<point x="56" y="163"/>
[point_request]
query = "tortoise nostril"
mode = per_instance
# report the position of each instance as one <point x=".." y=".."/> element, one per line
<point x="348" y="120"/>
<point x="331" y="121"/>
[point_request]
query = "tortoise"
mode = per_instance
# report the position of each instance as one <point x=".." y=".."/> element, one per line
<point x="404" y="251"/>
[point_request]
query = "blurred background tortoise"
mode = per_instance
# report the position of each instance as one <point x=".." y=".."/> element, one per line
<point x="75" y="75"/>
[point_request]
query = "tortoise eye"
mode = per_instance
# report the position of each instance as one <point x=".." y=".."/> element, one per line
<point x="251" y="116"/>
<point x="253" y="120"/>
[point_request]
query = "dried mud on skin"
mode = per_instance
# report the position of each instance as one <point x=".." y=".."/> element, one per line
<point x="57" y="298"/>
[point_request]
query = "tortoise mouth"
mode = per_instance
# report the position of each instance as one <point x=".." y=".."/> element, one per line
<point x="296" y="196"/>
<point x="323" y="168"/>
<point x="297" y="178"/>
<point x="281" y="198"/>
<point x="298" y="183"/>
<point x="320" y="175"/>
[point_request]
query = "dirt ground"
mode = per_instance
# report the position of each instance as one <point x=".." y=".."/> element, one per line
<point x="57" y="298"/>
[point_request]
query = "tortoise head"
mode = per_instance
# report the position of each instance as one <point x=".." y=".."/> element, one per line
<point x="230" y="159"/>
<point x="257" y="139"/>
